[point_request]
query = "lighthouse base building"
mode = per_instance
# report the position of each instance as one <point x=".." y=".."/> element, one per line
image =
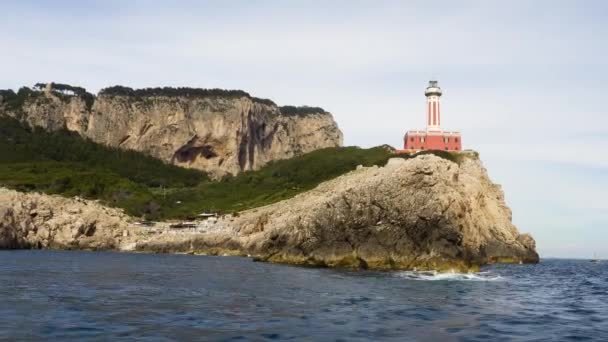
<point x="432" y="140"/>
<point x="434" y="137"/>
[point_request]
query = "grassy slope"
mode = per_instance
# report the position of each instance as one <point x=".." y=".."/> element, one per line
<point x="276" y="181"/>
<point x="64" y="163"/>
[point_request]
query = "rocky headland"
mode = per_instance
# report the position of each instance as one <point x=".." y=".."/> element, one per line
<point x="220" y="132"/>
<point x="425" y="212"/>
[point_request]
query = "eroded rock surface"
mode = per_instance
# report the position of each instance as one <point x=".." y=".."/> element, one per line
<point x="31" y="220"/>
<point x="425" y="212"/>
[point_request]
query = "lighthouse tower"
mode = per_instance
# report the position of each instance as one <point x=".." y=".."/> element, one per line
<point x="434" y="137"/>
<point x="433" y="111"/>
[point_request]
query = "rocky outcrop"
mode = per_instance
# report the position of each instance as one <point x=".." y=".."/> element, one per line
<point x="52" y="222"/>
<point x="220" y="135"/>
<point x="424" y="213"/>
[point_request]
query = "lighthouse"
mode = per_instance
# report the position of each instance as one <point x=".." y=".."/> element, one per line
<point x="433" y="111"/>
<point x="434" y="137"/>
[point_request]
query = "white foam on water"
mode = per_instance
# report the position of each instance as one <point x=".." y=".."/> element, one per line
<point x="449" y="276"/>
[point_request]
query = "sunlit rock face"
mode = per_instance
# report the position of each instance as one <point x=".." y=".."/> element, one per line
<point x="424" y="213"/>
<point x="219" y="135"/>
<point x="32" y="220"/>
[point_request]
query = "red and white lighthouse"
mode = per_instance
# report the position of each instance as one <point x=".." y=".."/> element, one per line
<point x="433" y="116"/>
<point x="434" y="137"/>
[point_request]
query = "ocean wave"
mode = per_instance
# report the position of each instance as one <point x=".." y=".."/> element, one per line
<point x="449" y="276"/>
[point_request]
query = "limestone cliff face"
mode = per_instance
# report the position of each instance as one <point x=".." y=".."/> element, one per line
<point x="52" y="113"/>
<point x="220" y="135"/>
<point x="212" y="134"/>
<point x="424" y="213"/>
<point x="53" y="222"/>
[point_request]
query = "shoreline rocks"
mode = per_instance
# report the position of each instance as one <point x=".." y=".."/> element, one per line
<point x="422" y="213"/>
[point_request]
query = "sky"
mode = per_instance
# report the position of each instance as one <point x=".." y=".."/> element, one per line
<point x="524" y="81"/>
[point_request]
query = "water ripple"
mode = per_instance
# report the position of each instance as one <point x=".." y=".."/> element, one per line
<point x="80" y="296"/>
<point x="449" y="276"/>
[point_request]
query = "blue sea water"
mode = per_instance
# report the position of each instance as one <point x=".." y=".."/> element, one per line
<point x="78" y="296"/>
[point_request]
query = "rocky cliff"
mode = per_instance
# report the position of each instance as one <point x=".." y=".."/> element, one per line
<point x="223" y="133"/>
<point x="51" y="222"/>
<point x="425" y="213"/>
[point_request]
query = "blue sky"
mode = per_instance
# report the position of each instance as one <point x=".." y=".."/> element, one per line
<point x="524" y="81"/>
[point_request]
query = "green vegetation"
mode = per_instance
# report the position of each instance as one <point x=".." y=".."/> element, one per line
<point x="66" y="90"/>
<point x="301" y="111"/>
<point x="451" y="156"/>
<point x="180" y="91"/>
<point x="14" y="101"/>
<point x="77" y="179"/>
<point x="64" y="163"/>
<point x="19" y="144"/>
<point x="276" y="181"/>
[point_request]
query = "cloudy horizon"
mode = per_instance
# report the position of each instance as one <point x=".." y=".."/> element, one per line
<point x="523" y="81"/>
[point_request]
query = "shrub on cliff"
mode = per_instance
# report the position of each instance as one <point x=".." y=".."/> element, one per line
<point x="22" y="144"/>
<point x="66" y="90"/>
<point x="14" y="101"/>
<point x="301" y="111"/>
<point x="276" y="181"/>
<point x="455" y="157"/>
<point x="179" y="91"/>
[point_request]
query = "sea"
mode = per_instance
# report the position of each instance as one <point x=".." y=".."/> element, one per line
<point x="104" y="296"/>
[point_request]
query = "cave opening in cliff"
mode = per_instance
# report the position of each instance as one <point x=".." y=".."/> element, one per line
<point x="187" y="154"/>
